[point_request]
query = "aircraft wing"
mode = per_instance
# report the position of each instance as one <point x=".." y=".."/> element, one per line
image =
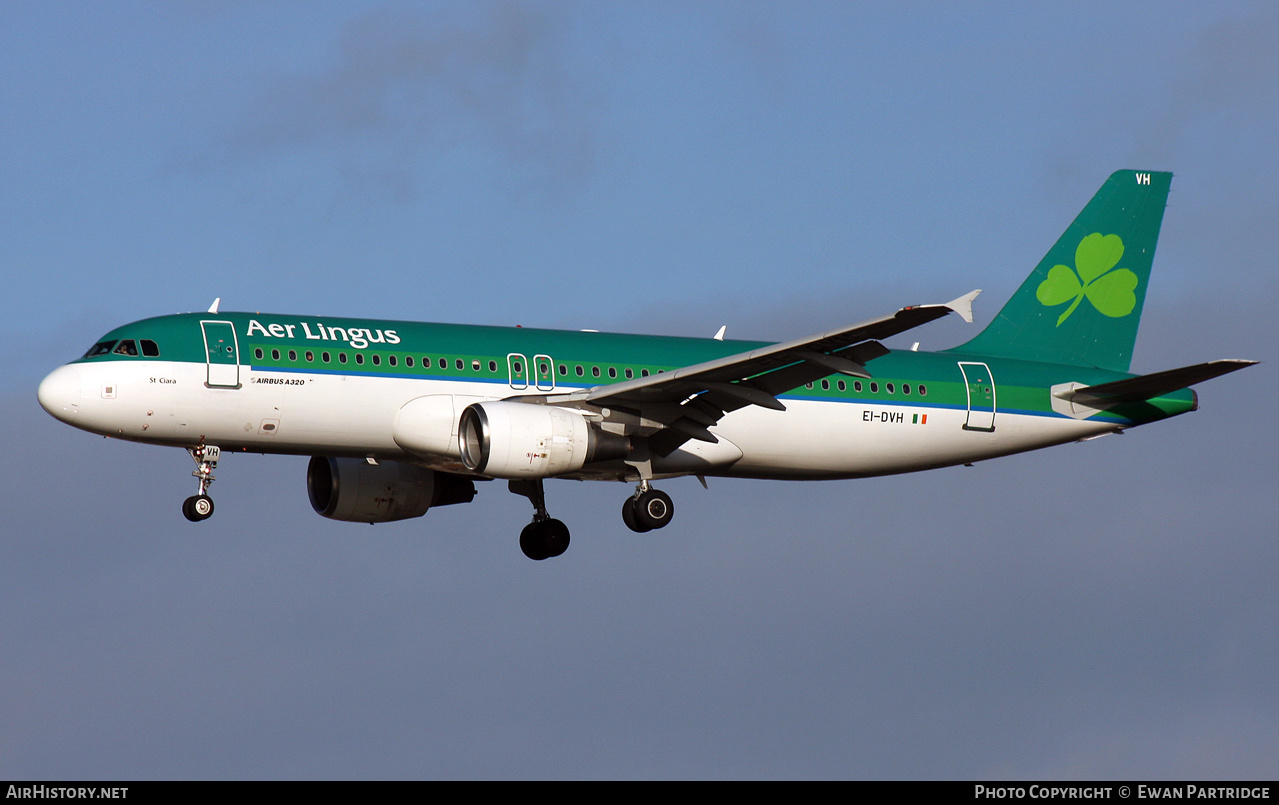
<point x="686" y="401"/>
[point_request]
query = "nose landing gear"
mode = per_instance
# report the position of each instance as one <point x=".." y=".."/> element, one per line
<point x="200" y="506"/>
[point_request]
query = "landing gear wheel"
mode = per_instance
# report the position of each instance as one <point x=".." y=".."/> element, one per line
<point x="652" y="508"/>
<point x="544" y="539"/>
<point x="197" y="508"/>
<point x="628" y="517"/>
<point x="200" y="506"/>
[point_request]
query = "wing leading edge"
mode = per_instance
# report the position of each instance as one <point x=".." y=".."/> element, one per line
<point x="684" y="402"/>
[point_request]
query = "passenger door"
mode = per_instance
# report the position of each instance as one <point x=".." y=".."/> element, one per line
<point x="981" y="396"/>
<point x="222" y="352"/>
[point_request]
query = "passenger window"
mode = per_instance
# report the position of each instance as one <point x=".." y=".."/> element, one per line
<point x="426" y="362"/>
<point x="377" y="360"/>
<point x="149" y="348"/>
<point x="359" y="358"/>
<point x="578" y="370"/>
<point x="127" y="348"/>
<point x="458" y="363"/>
<point x="595" y="371"/>
<point x="293" y="354"/>
<point x="341" y="357"/>
<point x="390" y="359"/>
<point x="257" y="353"/>
<point x="842" y="386"/>
<point x="922" y="389"/>
<point x="408" y="361"/>
<point x="905" y="388"/>
<point x="492" y="366"/>
<point x="888" y="387"/>
<point x="825" y="385"/>
<point x="310" y="356"/>
<point x="324" y="356"/>
<point x="275" y="354"/>
<point x="612" y="372"/>
<point x="857" y="385"/>
<point x="475" y="366"/>
<point x="874" y="388"/>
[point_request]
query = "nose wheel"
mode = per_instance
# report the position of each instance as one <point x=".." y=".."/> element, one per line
<point x="197" y="508"/>
<point x="200" y="506"/>
<point x="647" y="509"/>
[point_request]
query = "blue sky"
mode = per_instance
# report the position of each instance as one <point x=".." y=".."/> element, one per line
<point x="1096" y="610"/>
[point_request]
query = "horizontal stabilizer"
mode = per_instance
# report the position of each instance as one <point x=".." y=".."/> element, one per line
<point x="1146" y="387"/>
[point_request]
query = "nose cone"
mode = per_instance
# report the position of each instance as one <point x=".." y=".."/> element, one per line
<point x="60" y="393"/>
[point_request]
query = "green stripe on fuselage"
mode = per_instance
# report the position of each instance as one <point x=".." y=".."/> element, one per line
<point x="1020" y="386"/>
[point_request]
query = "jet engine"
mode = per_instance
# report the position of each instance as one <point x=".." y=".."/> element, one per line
<point x="354" y="490"/>
<point x="505" y="439"/>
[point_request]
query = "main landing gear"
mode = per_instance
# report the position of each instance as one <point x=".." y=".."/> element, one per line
<point x="545" y="537"/>
<point x="200" y="506"/>
<point x="647" y="509"/>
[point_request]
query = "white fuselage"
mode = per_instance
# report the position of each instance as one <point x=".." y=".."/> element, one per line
<point x="171" y="403"/>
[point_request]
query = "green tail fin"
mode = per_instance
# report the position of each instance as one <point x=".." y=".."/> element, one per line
<point x="1082" y="303"/>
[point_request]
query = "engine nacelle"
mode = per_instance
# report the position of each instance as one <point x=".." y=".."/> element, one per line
<point x="428" y="425"/>
<point x="505" y="439"/>
<point x="354" y="490"/>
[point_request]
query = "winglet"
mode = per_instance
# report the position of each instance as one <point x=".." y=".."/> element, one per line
<point x="719" y="336"/>
<point x="213" y="308"/>
<point x="964" y="305"/>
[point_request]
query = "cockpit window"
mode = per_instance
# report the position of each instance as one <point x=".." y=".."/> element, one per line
<point x="126" y="347"/>
<point x="100" y="348"/>
<point x="149" y="348"/>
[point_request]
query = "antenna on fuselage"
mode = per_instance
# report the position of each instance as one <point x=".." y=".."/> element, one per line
<point x="213" y="308"/>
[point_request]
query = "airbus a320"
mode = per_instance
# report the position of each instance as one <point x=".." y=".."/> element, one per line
<point x="399" y="417"/>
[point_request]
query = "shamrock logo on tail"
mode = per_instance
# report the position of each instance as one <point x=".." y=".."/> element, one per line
<point x="1095" y="277"/>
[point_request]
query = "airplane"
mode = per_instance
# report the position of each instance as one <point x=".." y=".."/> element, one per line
<point x="399" y="417"/>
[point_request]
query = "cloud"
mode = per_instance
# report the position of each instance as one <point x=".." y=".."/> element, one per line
<point x="405" y="88"/>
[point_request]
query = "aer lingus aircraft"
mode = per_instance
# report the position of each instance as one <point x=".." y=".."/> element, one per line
<point x="401" y="416"/>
